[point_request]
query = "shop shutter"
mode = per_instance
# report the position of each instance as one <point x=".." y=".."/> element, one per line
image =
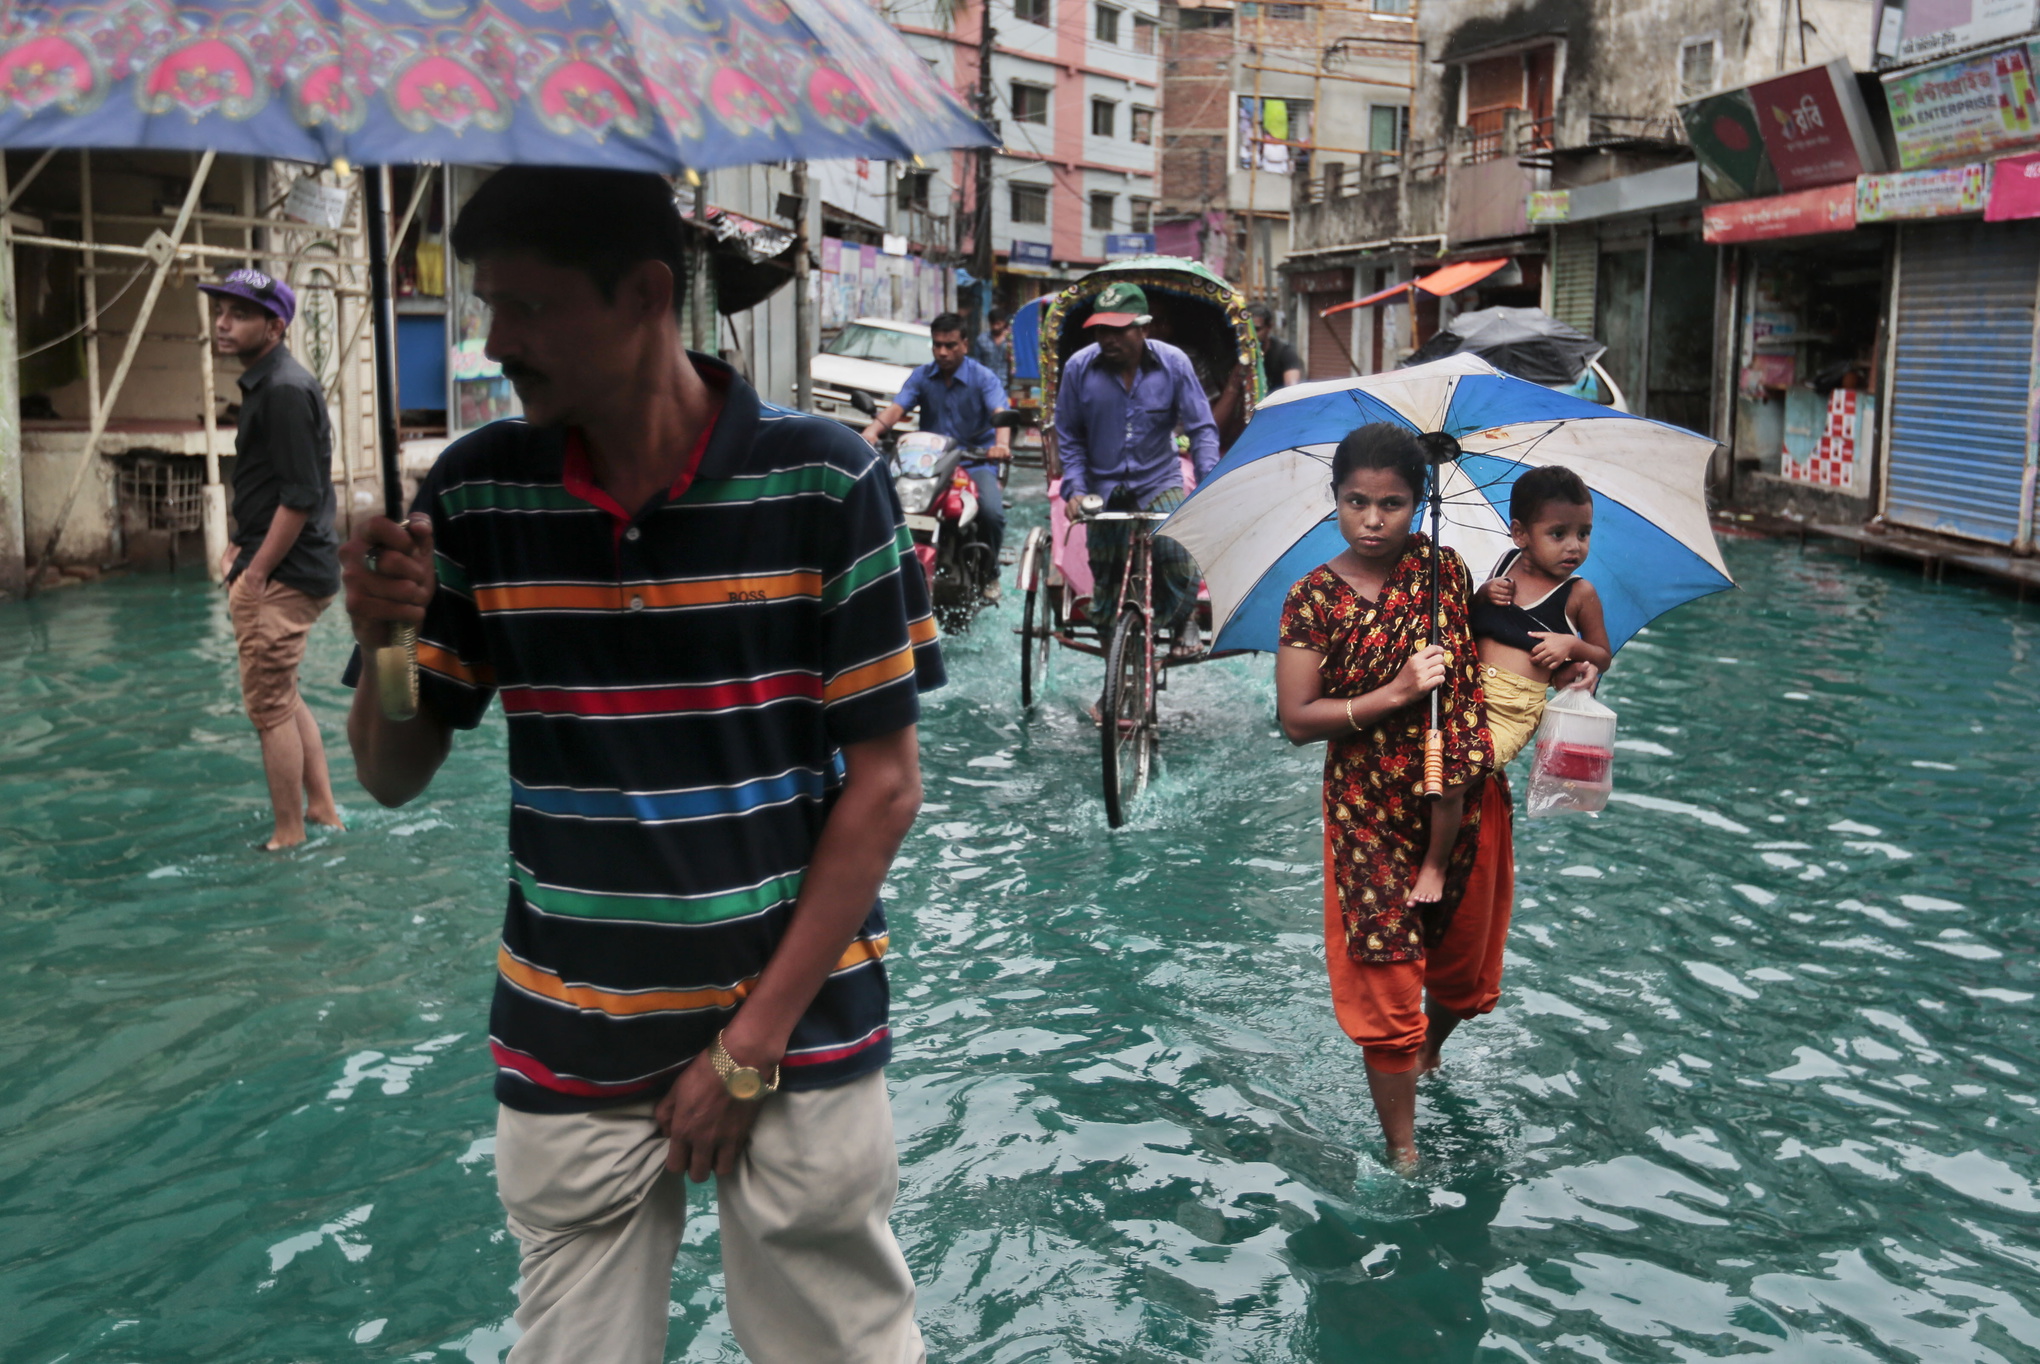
<point x="1961" y="377"/>
<point x="1330" y="337"/>
<point x="1573" y="262"/>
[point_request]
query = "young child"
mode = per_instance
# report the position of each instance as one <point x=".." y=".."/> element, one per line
<point x="1535" y="618"/>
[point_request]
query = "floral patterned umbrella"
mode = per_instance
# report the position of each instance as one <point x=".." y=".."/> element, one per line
<point x="662" y="85"/>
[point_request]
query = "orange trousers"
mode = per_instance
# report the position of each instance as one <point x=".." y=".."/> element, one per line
<point x="1382" y="1006"/>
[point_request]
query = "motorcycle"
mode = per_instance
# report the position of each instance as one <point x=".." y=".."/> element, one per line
<point x="940" y="502"/>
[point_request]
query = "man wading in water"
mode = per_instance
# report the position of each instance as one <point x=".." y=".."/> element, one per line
<point x="282" y="569"/>
<point x="694" y="610"/>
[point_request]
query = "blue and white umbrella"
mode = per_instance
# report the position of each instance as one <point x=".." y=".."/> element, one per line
<point x="1265" y="517"/>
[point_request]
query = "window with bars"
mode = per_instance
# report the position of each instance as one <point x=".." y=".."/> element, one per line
<point x="1144" y="34"/>
<point x="1029" y="203"/>
<point x="1142" y="213"/>
<point x="1104" y="118"/>
<point x="1102" y="206"/>
<point x="1105" y="27"/>
<point x="1697" y="67"/>
<point x="1268" y="132"/>
<point x="1204" y="18"/>
<point x="913" y="189"/>
<point x="1030" y="103"/>
<point x="1143" y="125"/>
<point x="1032" y="11"/>
<point x="1388" y="127"/>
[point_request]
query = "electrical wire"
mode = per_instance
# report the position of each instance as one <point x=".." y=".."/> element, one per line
<point x="132" y="280"/>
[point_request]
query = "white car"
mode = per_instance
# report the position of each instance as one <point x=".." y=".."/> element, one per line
<point x="874" y="356"/>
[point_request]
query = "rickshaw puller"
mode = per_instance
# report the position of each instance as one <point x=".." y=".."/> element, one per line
<point x="1117" y="411"/>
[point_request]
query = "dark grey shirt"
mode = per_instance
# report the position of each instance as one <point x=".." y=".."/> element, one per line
<point x="283" y="453"/>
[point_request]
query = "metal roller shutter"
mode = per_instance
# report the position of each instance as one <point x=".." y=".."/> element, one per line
<point x="1962" y="377"/>
<point x="1574" y="258"/>
<point x="1330" y="337"/>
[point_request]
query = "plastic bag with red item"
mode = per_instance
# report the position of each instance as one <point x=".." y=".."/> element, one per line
<point x="1574" y="765"/>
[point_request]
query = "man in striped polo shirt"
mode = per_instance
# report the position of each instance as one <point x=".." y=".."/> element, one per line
<point x="693" y="608"/>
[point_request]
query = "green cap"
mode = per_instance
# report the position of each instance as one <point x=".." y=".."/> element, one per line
<point x="1119" y="304"/>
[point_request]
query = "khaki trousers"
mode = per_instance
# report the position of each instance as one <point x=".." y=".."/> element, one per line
<point x="812" y="1272"/>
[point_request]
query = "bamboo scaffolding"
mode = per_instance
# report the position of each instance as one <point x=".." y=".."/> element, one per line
<point x="88" y="456"/>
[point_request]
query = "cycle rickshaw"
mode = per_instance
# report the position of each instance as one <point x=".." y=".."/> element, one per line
<point x="1205" y="317"/>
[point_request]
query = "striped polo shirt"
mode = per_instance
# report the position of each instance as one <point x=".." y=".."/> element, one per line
<point x="679" y="685"/>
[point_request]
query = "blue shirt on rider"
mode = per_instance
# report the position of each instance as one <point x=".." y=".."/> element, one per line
<point x="959" y="405"/>
<point x="1110" y="438"/>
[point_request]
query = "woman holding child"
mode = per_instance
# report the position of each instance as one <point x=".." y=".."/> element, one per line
<point x="1417" y="894"/>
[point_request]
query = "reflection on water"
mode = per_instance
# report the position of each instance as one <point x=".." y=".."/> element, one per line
<point x="1762" y="1084"/>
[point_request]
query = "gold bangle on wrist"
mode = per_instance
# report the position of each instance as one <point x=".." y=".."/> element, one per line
<point x="1349" y="716"/>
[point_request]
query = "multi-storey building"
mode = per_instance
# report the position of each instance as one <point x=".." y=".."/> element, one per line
<point x="1258" y="96"/>
<point x="1074" y="94"/>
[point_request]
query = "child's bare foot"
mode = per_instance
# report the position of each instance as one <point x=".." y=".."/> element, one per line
<point x="328" y="818"/>
<point x="1430" y="886"/>
<point x="1430" y="1061"/>
<point x="1402" y="1159"/>
<point x="279" y="842"/>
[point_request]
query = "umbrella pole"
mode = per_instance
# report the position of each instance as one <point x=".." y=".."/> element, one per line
<point x="396" y="663"/>
<point x="1434" y="741"/>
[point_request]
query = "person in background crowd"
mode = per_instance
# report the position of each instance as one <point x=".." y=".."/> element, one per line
<point x="709" y="652"/>
<point x="1116" y="415"/>
<point x="283" y="568"/>
<point x="957" y="397"/>
<point x="994" y="347"/>
<point x="1280" y="364"/>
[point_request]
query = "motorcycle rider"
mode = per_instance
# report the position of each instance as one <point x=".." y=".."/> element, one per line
<point x="957" y="397"/>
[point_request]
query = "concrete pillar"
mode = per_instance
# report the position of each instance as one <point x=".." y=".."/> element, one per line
<point x="13" y="538"/>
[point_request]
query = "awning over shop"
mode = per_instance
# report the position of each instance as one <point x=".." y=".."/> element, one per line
<point x="1447" y="279"/>
<point x="750" y="260"/>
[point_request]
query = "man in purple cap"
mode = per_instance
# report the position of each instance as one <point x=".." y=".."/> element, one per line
<point x="1121" y="402"/>
<point x="283" y="567"/>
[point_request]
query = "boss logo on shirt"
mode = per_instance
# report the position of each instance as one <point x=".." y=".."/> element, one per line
<point x="747" y="596"/>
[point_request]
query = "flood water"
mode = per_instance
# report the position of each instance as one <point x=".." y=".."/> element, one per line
<point x="1763" y="1082"/>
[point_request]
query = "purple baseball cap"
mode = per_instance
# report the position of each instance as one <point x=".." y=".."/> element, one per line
<point x="272" y="295"/>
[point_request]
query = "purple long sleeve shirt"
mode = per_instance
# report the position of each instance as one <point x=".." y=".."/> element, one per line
<point x="1110" y="438"/>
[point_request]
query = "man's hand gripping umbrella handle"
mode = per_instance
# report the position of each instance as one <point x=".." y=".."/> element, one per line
<point x="396" y="673"/>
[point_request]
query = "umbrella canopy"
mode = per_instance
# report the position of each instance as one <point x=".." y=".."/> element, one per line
<point x="1526" y="342"/>
<point x="660" y="85"/>
<point x="1265" y="516"/>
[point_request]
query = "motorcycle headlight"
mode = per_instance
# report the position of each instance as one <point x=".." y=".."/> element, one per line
<point x="915" y="493"/>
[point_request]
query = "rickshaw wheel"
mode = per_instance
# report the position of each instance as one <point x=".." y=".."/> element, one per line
<point x="1035" y="625"/>
<point x="1127" y="738"/>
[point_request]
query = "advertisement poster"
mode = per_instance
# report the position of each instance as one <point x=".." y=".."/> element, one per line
<point x="2014" y="189"/>
<point x="1729" y="141"/>
<point x="1831" y="208"/>
<point x="1549" y="205"/>
<point x="1964" y="109"/>
<point x="1816" y="130"/>
<point x="1921" y="30"/>
<point x="1921" y="194"/>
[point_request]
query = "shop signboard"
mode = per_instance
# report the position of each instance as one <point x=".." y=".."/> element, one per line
<point x="1816" y="126"/>
<point x="1550" y="205"/>
<point x="1921" y="30"/>
<point x="1830" y="208"/>
<point x="1119" y="244"/>
<point x="1967" y="108"/>
<point x="2014" y="189"/>
<point x="1905" y="195"/>
<point x="1029" y="257"/>
<point x="1729" y="141"/>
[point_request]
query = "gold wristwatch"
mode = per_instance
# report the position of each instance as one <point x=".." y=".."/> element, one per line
<point x="743" y="1082"/>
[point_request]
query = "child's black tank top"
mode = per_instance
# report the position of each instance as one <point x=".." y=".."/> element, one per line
<point x="1512" y="624"/>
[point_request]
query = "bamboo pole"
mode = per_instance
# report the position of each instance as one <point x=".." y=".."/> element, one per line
<point x="120" y="373"/>
<point x="213" y="510"/>
<point x="13" y="531"/>
<point x="87" y="231"/>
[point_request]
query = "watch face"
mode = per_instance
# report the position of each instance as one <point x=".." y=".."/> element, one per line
<point x="745" y="1083"/>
